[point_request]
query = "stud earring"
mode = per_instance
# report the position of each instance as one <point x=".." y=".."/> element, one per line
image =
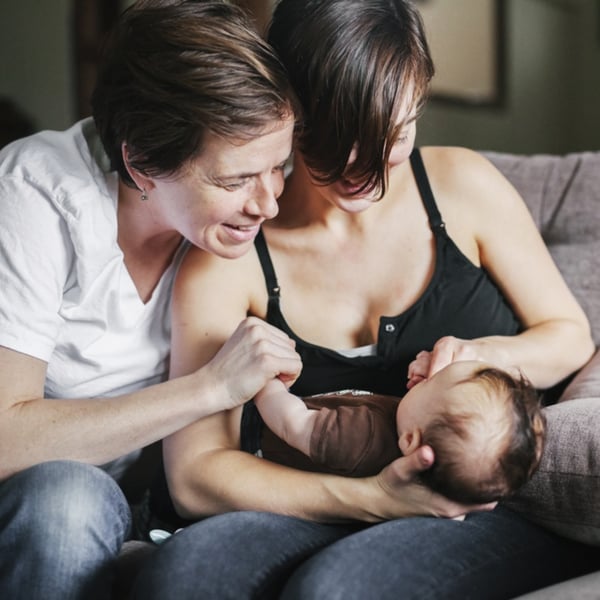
<point x="144" y="196"/>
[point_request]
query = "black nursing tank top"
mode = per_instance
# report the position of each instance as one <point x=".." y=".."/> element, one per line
<point x="461" y="300"/>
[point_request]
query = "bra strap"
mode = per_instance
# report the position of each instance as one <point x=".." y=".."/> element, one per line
<point x="416" y="162"/>
<point x="267" y="265"/>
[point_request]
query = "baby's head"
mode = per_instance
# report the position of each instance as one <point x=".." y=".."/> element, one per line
<point x="485" y="426"/>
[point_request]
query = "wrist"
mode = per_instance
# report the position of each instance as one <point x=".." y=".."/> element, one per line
<point x="209" y="394"/>
<point x="363" y="499"/>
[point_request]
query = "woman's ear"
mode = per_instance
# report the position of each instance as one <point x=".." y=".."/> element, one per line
<point x="142" y="182"/>
<point x="409" y="441"/>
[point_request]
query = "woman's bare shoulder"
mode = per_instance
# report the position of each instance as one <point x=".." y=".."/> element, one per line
<point x="209" y="276"/>
<point x="201" y="265"/>
<point x="454" y="163"/>
<point x="466" y="176"/>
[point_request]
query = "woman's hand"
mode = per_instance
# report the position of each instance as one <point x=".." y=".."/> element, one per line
<point x="450" y="349"/>
<point x="399" y="481"/>
<point x="255" y="354"/>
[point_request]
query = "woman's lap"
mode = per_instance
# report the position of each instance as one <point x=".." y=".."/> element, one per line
<point x="252" y="555"/>
<point x="235" y="556"/>
<point x="488" y="556"/>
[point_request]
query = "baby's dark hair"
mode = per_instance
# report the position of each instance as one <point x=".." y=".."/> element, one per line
<point x="507" y="456"/>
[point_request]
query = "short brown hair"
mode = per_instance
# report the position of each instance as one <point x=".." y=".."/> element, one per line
<point x="517" y="456"/>
<point x="351" y="62"/>
<point x="175" y="70"/>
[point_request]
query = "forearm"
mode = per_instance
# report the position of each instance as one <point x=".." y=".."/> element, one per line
<point x="230" y="480"/>
<point x="546" y="353"/>
<point x="34" y="429"/>
<point x="207" y="474"/>
<point x="99" y="430"/>
<point x="286" y="415"/>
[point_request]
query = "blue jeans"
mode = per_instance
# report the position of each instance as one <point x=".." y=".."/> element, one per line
<point x="246" y="555"/>
<point x="62" y="525"/>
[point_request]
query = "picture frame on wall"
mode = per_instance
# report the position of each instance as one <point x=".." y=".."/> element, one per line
<point x="466" y="39"/>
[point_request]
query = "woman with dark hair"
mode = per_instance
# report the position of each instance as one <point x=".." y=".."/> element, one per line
<point x="385" y="263"/>
<point x="193" y="122"/>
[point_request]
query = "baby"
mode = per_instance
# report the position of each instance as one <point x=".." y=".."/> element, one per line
<point x="485" y="426"/>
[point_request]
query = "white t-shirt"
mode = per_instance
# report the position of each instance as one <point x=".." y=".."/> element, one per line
<point x="66" y="296"/>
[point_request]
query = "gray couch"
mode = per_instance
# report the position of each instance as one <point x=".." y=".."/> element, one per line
<point x="563" y="195"/>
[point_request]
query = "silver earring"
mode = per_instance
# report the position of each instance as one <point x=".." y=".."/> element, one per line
<point x="144" y="196"/>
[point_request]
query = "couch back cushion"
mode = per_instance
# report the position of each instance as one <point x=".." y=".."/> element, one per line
<point x="563" y="195"/>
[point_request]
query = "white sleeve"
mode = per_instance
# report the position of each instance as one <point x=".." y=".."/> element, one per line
<point x="35" y="256"/>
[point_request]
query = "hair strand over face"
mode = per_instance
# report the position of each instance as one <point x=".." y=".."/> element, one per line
<point x="352" y="63"/>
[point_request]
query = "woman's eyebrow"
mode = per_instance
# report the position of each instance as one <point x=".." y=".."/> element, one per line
<point x="242" y="175"/>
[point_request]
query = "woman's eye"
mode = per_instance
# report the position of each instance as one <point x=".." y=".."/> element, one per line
<point x="402" y="139"/>
<point x="233" y="185"/>
<point x="280" y="168"/>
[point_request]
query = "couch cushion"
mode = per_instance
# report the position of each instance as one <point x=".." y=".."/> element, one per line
<point x="563" y="195"/>
<point x="586" y="384"/>
<point x="581" y="588"/>
<point x="564" y="493"/>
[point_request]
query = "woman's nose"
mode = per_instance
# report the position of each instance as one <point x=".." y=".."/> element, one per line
<point x="264" y="198"/>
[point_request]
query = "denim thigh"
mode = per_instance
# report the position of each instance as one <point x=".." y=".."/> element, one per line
<point x="62" y="523"/>
<point x="237" y="556"/>
<point x="488" y="556"/>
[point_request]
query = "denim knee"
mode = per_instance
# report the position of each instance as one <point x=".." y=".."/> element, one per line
<point x="62" y="522"/>
<point x="65" y="499"/>
<point x="237" y="556"/>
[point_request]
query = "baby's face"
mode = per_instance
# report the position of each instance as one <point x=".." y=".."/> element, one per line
<point x="427" y="399"/>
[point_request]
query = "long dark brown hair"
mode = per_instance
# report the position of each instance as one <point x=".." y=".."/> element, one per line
<point x="351" y="63"/>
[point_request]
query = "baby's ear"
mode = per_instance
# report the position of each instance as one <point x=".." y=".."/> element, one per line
<point x="409" y="441"/>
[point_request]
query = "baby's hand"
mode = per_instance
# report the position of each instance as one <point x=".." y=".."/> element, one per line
<point x="446" y="350"/>
<point x="418" y="369"/>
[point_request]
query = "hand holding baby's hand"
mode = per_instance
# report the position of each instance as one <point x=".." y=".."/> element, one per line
<point x="446" y="350"/>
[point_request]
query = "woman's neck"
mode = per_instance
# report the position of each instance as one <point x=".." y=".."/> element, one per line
<point x="305" y="204"/>
<point x="148" y="245"/>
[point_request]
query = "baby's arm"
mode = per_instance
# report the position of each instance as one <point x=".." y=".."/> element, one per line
<point x="286" y="415"/>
